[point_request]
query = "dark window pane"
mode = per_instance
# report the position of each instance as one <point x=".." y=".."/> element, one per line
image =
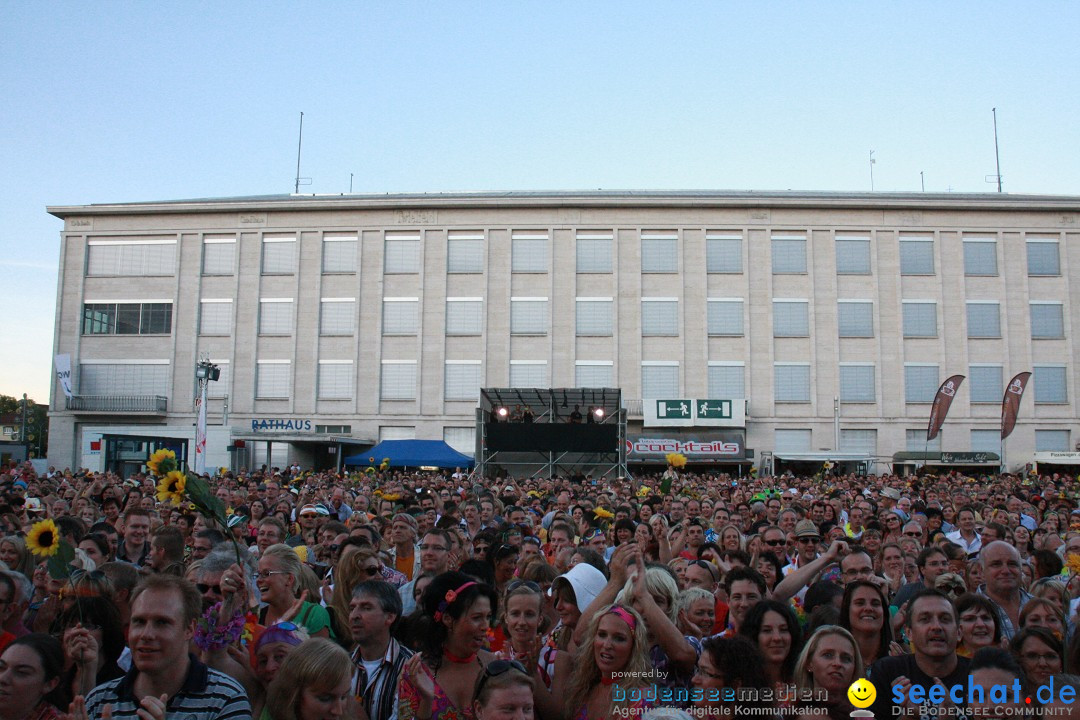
<point x="127" y="319"/>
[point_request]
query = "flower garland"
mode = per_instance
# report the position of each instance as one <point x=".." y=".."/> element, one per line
<point x="209" y="635"/>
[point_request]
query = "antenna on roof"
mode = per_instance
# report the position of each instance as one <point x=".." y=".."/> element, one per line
<point x="300" y="143"/>
<point x="997" y="155"/>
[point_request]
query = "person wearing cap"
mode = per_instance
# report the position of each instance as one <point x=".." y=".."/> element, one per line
<point x="403" y="553"/>
<point x="807" y="542"/>
<point x="307" y="518"/>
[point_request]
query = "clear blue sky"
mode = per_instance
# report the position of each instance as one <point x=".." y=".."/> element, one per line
<point x="125" y="101"/>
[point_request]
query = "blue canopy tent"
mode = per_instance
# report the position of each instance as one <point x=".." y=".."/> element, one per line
<point x="412" y="453"/>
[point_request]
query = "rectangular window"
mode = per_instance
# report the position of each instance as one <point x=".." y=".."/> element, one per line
<point x="529" y="315"/>
<point x="1043" y="256"/>
<point x="594" y="317"/>
<point x="339" y="253"/>
<point x="401" y="254"/>
<point x="398" y="380"/>
<point x="1050" y="384"/>
<point x="464" y="316"/>
<point x="1047" y="321"/>
<point x="337" y="316"/>
<point x="855" y="318"/>
<point x="792" y="441"/>
<point x="788" y="254"/>
<point x="275" y="316"/>
<point x="920" y="382"/>
<point x="852" y="255"/>
<point x="857" y="383"/>
<point x="528" y="374"/>
<point x="1052" y="441"/>
<point x="220" y="388"/>
<point x="792" y="382"/>
<point x="659" y="380"/>
<point x="397" y="432"/>
<point x="272" y="379"/>
<point x="529" y="253"/>
<point x="146" y="318"/>
<point x="980" y="256"/>
<point x="791" y="318"/>
<point x="859" y="441"/>
<point x="462" y="439"/>
<point x="215" y="317"/>
<point x="725" y="316"/>
<point x="118" y="377"/>
<point x="916" y="441"/>
<point x="723" y="253"/>
<point x="595" y="253"/>
<point x="726" y="380"/>
<point x="985" y="383"/>
<point x="916" y="256"/>
<point x="334" y="429"/>
<point x="465" y="252"/>
<point x="660" y="316"/>
<point x="659" y="253"/>
<point x="983" y="319"/>
<point x="920" y="318"/>
<point x="463" y="379"/>
<point x="401" y="316"/>
<point x="279" y="254"/>
<point x="336" y="379"/>
<point x="594" y="374"/>
<point x="131" y="257"/>
<point x="219" y="254"/>
<point x="986" y="441"/>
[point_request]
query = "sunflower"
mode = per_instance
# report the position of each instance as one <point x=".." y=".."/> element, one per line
<point x="676" y="460"/>
<point x="171" y="488"/>
<point x="602" y="513"/>
<point x="161" y="462"/>
<point x="44" y="539"/>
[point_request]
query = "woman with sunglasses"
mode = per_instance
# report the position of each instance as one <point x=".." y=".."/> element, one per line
<point x="504" y="692"/>
<point x="439" y="681"/>
<point x="312" y="684"/>
<point x="278" y="580"/>
<point x="359" y="565"/>
<point x="615" y="642"/>
<point x="864" y="612"/>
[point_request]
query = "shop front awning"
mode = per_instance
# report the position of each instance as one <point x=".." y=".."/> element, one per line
<point x="1057" y="458"/>
<point x="824" y="456"/>
<point x="911" y="457"/>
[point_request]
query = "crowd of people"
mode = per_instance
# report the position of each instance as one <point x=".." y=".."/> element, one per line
<point x="391" y="595"/>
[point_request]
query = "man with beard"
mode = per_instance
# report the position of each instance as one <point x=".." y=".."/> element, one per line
<point x="934" y="631"/>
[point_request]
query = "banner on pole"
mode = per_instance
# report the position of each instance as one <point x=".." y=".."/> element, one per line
<point x="942" y="403"/>
<point x="1010" y="403"/>
<point x="63" y="372"/>
<point x="200" y="433"/>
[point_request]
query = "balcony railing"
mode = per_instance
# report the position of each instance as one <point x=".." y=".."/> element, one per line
<point x="126" y="404"/>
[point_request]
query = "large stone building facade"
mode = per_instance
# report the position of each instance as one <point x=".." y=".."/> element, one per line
<point x="339" y="321"/>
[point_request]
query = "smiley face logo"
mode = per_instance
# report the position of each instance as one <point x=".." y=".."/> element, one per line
<point x="862" y="693"/>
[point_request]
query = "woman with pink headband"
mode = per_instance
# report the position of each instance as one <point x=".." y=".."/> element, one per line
<point x="439" y="681"/>
<point x="611" y="667"/>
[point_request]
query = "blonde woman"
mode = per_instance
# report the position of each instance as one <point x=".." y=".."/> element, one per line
<point x="829" y="663"/>
<point x="280" y="573"/>
<point x="14" y="554"/>
<point x="312" y="683"/>
<point x="615" y="642"/>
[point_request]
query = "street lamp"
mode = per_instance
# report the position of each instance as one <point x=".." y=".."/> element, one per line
<point x="205" y="372"/>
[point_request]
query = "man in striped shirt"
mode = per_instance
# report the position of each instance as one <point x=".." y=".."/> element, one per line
<point x="164" y="679"/>
<point x="373" y="611"/>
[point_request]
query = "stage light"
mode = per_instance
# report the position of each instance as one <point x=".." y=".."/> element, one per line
<point x="599" y="413"/>
<point x="502" y="412"/>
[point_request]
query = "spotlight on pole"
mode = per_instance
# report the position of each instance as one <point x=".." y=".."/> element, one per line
<point x="599" y="413"/>
<point x="502" y="412"/>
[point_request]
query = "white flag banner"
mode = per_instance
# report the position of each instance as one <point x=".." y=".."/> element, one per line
<point x="200" y="435"/>
<point x="63" y="372"/>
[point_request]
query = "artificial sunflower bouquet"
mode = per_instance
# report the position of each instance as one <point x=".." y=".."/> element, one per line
<point x="675" y="461"/>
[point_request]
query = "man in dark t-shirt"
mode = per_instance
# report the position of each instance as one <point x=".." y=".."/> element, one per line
<point x="933" y="628"/>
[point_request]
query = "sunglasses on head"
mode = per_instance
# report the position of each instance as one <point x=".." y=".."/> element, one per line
<point x="522" y="583"/>
<point x="496" y="668"/>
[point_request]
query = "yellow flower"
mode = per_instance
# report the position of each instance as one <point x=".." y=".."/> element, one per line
<point x="676" y="460"/>
<point x="302" y="552"/>
<point x="644" y="491"/>
<point x="171" y="488"/>
<point x="161" y="462"/>
<point x="602" y="513"/>
<point x="44" y="539"/>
